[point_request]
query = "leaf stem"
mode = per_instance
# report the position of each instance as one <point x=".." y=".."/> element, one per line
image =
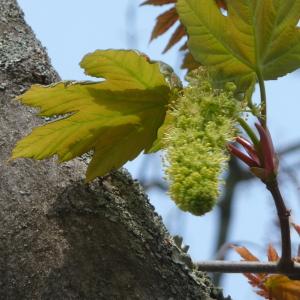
<point x="263" y="100"/>
<point x="249" y="131"/>
<point x="283" y="214"/>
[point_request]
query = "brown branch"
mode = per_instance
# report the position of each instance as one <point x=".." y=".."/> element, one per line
<point x="220" y="266"/>
<point x="283" y="214"/>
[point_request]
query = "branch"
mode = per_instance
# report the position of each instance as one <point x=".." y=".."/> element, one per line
<point x="220" y="266"/>
<point x="283" y="214"/>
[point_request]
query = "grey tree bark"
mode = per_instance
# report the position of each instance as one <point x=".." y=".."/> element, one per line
<point x="61" y="238"/>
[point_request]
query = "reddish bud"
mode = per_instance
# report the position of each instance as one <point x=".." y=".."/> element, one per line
<point x="242" y="156"/>
<point x="249" y="148"/>
<point x="268" y="154"/>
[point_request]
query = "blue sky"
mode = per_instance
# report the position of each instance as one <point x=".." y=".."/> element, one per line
<point x="70" y="29"/>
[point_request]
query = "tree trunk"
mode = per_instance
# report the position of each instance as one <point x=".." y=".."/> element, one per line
<point x="61" y="238"/>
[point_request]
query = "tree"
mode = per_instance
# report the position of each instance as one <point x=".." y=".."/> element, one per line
<point x="62" y="238"/>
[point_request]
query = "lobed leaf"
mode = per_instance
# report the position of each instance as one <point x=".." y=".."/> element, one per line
<point x="116" y="118"/>
<point x="255" y="38"/>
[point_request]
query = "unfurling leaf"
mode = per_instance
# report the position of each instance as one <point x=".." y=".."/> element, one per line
<point x="189" y="62"/>
<point x="159" y="143"/>
<point x="245" y="253"/>
<point x="270" y="286"/>
<point x="255" y="38"/>
<point x="116" y="118"/>
<point x="166" y="20"/>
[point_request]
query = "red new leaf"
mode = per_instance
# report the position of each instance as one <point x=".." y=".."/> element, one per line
<point x="166" y="20"/>
<point x="270" y="286"/>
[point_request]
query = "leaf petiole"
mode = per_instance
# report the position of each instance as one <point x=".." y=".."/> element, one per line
<point x="263" y="99"/>
<point x="249" y="131"/>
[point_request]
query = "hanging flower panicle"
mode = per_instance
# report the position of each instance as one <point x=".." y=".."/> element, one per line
<point x="204" y="121"/>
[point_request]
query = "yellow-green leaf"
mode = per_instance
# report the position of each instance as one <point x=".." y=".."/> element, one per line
<point x="255" y="38"/>
<point x="281" y="287"/>
<point x="116" y="118"/>
<point x="162" y="132"/>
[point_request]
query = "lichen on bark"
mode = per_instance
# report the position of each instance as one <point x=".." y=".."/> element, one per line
<point x="62" y="238"/>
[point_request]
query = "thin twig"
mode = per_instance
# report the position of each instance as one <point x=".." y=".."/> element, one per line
<point x="249" y="267"/>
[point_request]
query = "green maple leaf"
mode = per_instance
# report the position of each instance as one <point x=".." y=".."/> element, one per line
<point x="158" y="144"/>
<point x="257" y="38"/>
<point x="116" y="118"/>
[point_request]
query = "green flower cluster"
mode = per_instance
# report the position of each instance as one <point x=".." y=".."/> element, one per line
<point x="204" y="120"/>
